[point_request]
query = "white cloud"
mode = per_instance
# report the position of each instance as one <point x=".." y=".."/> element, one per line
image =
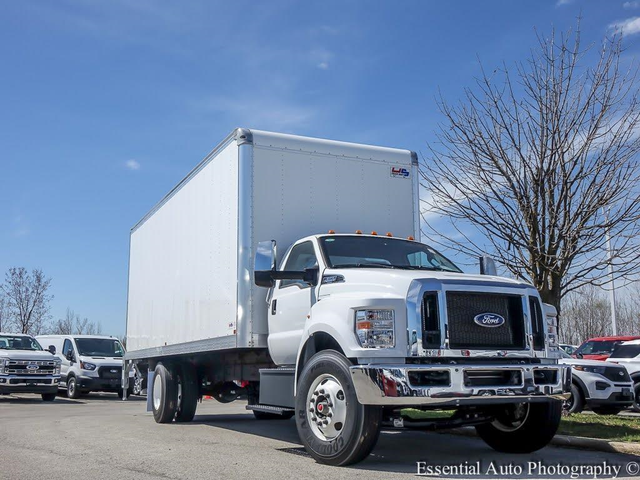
<point x="323" y="65"/>
<point x="559" y="3"/>
<point x="132" y="164"/>
<point x="631" y="5"/>
<point x="629" y="26"/>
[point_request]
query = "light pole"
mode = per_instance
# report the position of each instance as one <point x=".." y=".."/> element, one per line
<point x="612" y="292"/>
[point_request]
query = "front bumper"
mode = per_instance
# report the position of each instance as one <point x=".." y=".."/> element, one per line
<point x="97" y="384"/>
<point x="622" y="397"/>
<point x="29" y="384"/>
<point x="444" y="385"/>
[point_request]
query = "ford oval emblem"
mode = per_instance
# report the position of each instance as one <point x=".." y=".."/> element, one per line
<point x="32" y="367"/>
<point x="489" y="320"/>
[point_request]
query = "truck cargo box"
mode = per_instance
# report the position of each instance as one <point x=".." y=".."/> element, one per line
<point x="191" y="257"/>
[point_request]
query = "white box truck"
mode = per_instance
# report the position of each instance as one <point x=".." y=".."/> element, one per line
<point x="349" y="322"/>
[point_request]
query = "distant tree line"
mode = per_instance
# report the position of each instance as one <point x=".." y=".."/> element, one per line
<point x="25" y="304"/>
<point x="587" y="314"/>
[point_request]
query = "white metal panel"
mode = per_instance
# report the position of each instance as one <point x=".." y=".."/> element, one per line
<point x="304" y="186"/>
<point x="183" y="261"/>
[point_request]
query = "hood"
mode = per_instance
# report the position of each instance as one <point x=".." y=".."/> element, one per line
<point x="103" y="361"/>
<point x="396" y="282"/>
<point x="586" y="363"/>
<point x="26" y="354"/>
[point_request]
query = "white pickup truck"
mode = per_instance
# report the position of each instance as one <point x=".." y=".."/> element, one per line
<point x="344" y="330"/>
<point x="26" y="368"/>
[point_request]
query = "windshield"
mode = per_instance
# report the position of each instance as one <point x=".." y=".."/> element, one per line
<point x="626" y="351"/>
<point x="18" y="342"/>
<point x="382" y="252"/>
<point x="596" y="347"/>
<point x="99" y="347"/>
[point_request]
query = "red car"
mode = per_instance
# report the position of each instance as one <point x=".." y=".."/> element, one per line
<point x="600" y="348"/>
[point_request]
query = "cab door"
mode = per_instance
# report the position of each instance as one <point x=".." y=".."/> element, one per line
<point x="290" y="304"/>
<point x="67" y="347"/>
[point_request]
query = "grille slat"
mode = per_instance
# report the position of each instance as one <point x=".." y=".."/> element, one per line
<point x="108" y="373"/>
<point x="462" y="307"/>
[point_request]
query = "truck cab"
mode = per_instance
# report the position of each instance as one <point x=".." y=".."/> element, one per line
<point x="26" y="368"/>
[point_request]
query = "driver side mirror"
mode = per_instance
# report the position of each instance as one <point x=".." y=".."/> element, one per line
<point x="265" y="264"/>
<point x="52" y="349"/>
<point x="69" y="356"/>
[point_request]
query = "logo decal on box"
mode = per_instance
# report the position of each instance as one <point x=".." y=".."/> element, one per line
<point x="400" y="172"/>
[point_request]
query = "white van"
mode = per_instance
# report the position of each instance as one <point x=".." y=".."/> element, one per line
<point x="90" y="363"/>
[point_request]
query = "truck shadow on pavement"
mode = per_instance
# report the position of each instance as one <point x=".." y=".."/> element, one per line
<point x="401" y="452"/>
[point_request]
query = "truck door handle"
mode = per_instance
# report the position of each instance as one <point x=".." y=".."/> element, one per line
<point x="273" y="306"/>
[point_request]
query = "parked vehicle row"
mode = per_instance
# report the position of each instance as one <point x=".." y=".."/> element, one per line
<point x="628" y="355"/>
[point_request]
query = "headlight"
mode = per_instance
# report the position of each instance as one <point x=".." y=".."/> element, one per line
<point x="590" y="369"/>
<point x="58" y="365"/>
<point x="375" y="328"/>
<point x="87" y="366"/>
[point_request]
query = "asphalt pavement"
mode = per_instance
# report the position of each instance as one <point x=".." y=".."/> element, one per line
<point x="100" y="436"/>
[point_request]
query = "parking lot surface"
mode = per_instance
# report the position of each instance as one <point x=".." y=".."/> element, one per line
<point x="99" y="436"/>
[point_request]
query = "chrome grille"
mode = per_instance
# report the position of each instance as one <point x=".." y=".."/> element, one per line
<point x="30" y="367"/>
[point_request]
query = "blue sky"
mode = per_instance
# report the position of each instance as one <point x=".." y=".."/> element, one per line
<point x="106" y="105"/>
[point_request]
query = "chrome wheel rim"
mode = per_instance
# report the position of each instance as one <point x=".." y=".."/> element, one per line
<point x="326" y="407"/>
<point x="157" y="392"/>
<point x="513" y="419"/>
<point x="71" y="387"/>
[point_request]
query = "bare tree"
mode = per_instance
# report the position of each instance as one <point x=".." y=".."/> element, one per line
<point x="71" y="324"/>
<point x="27" y="299"/>
<point x="538" y="165"/>
<point x="4" y="316"/>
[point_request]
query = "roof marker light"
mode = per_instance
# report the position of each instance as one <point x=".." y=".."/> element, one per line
<point x="331" y="232"/>
<point x="410" y="238"/>
<point x="358" y="232"/>
<point x="389" y="234"/>
<point x="374" y="233"/>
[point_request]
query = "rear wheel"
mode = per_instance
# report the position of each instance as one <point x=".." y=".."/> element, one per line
<point x="48" y="397"/>
<point x="187" y="393"/>
<point x="575" y="403"/>
<point x="333" y="426"/>
<point x="72" y="388"/>
<point x="522" y="427"/>
<point x="165" y="394"/>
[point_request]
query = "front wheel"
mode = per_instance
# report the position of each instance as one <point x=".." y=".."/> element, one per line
<point x="73" y="391"/>
<point x="575" y="403"/>
<point x="607" y="410"/>
<point x="636" y="398"/>
<point x="333" y="426"/>
<point x="522" y="427"/>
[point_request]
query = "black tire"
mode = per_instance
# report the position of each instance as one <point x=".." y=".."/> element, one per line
<point x="188" y="402"/>
<point x="165" y="403"/>
<point x="358" y="434"/>
<point x="48" y="397"/>
<point x="73" y="391"/>
<point x="636" y="399"/>
<point x="536" y="427"/>
<point x="575" y="403"/>
<point x="607" y="410"/>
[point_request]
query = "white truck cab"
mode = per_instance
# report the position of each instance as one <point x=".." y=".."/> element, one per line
<point x="90" y="363"/>
<point x="346" y="329"/>
<point x="26" y="368"/>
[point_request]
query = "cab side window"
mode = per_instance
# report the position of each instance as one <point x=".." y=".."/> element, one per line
<point x="66" y="348"/>
<point x="302" y="256"/>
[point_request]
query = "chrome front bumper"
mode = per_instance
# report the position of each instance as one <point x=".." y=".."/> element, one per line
<point x="458" y="385"/>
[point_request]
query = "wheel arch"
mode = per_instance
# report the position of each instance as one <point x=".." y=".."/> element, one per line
<point x="316" y="342"/>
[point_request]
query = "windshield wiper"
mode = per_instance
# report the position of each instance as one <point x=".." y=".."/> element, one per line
<point x="364" y="265"/>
